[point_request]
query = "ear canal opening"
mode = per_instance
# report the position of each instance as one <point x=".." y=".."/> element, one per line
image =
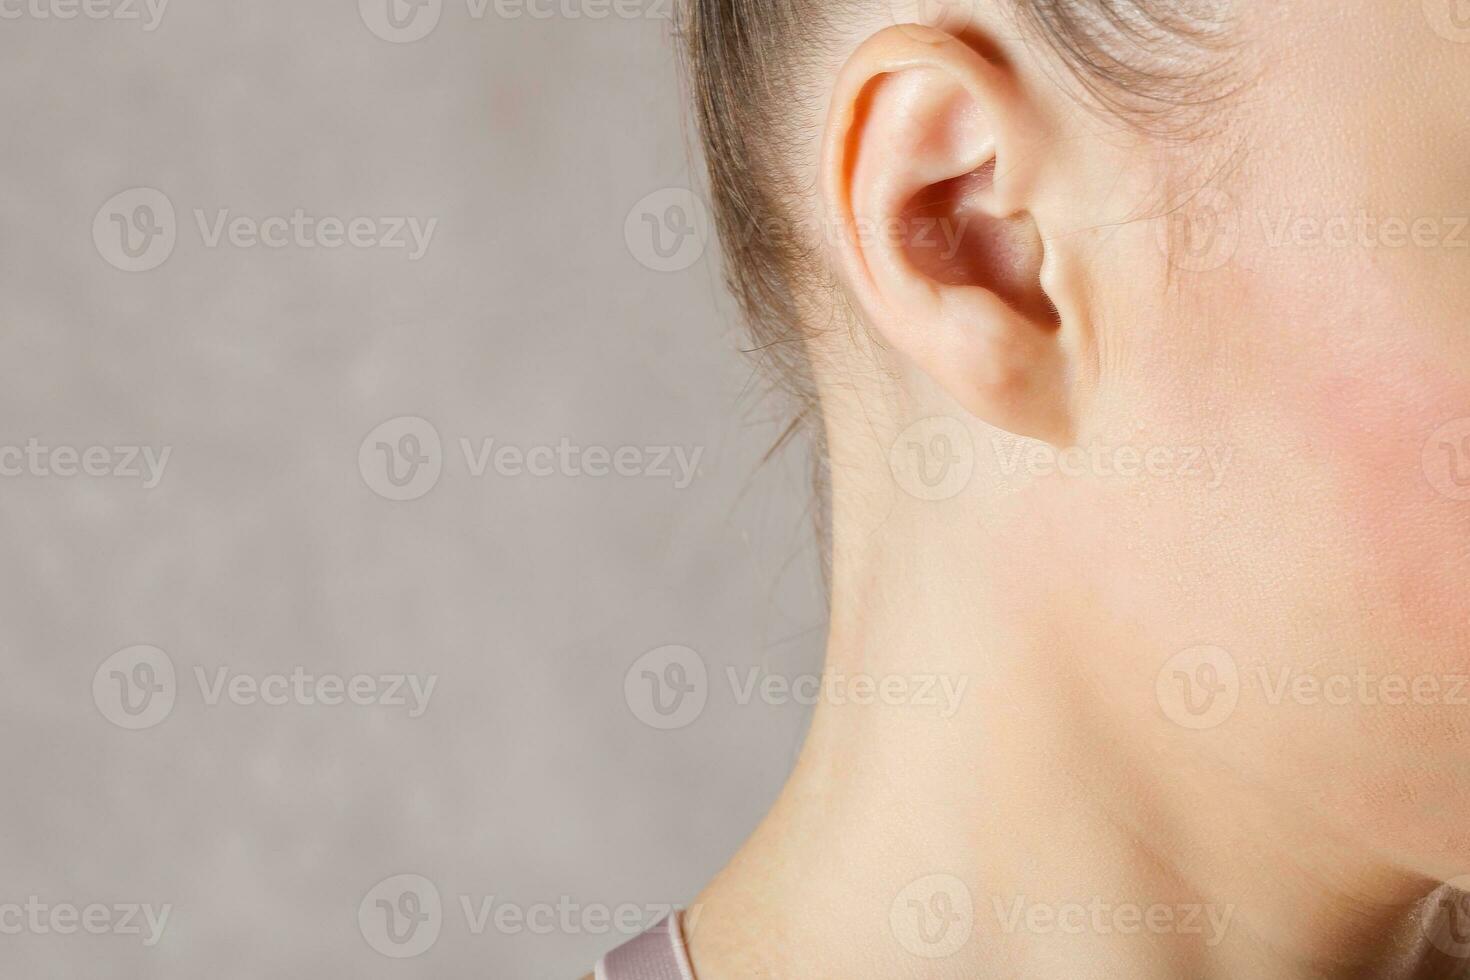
<point x="952" y="237"/>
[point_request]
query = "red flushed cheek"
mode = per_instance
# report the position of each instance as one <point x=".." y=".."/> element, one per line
<point x="1394" y="432"/>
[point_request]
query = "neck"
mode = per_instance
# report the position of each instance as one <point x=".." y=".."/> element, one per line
<point x="987" y="815"/>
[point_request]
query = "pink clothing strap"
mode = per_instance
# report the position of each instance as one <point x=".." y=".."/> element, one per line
<point x="657" y="954"/>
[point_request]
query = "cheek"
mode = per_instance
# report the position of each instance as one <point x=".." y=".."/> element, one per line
<point x="1401" y="481"/>
<point x="1349" y="369"/>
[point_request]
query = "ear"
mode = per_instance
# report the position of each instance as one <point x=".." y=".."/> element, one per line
<point x="924" y="176"/>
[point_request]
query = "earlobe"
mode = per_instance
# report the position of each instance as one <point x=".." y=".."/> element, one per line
<point x="924" y="173"/>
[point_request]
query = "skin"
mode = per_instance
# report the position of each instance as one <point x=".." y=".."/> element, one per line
<point x="1326" y="551"/>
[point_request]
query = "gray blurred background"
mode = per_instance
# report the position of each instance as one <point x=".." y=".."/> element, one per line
<point x="542" y="313"/>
